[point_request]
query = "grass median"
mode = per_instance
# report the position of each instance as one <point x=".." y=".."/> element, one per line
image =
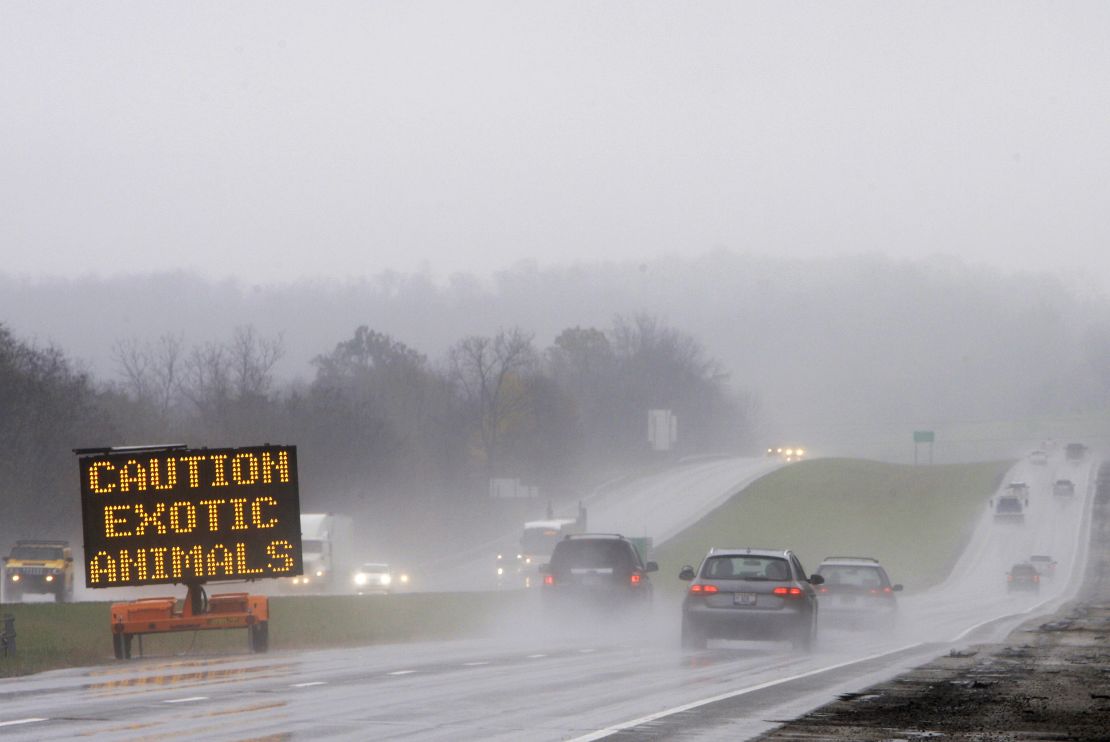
<point x="50" y="636"/>
<point x="914" y="519"/>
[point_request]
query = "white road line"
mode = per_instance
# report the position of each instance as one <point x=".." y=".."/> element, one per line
<point x="190" y="699"/>
<point x="731" y="694"/>
<point x="308" y="685"/>
<point x="536" y="656"/>
<point x="402" y="672"/>
<point x="14" y="722"/>
<point x="474" y="664"/>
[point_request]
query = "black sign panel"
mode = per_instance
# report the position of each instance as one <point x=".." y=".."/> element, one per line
<point x="185" y="515"/>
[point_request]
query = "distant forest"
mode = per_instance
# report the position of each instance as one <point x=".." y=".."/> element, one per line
<point x="406" y="394"/>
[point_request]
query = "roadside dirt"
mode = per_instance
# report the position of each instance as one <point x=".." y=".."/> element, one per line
<point x="1050" y="680"/>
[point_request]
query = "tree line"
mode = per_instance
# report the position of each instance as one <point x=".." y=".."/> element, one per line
<point x="379" y="425"/>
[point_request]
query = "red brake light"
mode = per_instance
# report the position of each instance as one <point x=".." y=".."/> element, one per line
<point x="549" y="579"/>
<point x="823" y="589"/>
<point x="792" y="592"/>
<point x="635" y="579"/>
<point x="703" y="588"/>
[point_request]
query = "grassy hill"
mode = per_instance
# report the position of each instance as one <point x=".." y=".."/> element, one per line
<point x="915" y="519"/>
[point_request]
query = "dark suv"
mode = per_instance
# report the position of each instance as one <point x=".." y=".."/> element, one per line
<point x="749" y="594"/>
<point x="597" y="570"/>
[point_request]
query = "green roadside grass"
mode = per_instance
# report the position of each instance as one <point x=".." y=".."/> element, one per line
<point x="914" y="519"/>
<point x="51" y="636"/>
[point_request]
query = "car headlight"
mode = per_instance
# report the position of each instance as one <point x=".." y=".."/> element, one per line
<point x="15" y="578"/>
<point x="404" y="579"/>
<point x="50" y="578"/>
<point x="500" y="570"/>
<point x="386" y="579"/>
<point x="319" y="573"/>
<point x="361" y="578"/>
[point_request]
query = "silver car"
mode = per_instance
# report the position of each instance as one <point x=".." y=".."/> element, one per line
<point x="749" y="594"/>
<point x="857" y="593"/>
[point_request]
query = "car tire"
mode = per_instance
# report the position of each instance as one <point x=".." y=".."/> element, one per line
<point x="692" y="638"/>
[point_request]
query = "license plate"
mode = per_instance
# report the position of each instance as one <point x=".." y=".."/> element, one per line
<point x="743" y="598"/>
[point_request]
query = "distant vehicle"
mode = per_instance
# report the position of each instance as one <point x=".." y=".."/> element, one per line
<point x="1010" y="506"/>
<point x="39" y="566"/>
<point x="378" y="577"/>
<point x="537" y="543"/>
<point x="1045" y="565"/>
<point x="1023" y="576"/>
<point x="788" y="453"/>
<point x="749" y="594"/>
<point x="1040" y="458"/>
<point x="1063" y="488"/>
<point x="1075" y="452"/>
<point x="857" y="592"/>
<point x="596" y="571"/>
<point x="327" y="551"/>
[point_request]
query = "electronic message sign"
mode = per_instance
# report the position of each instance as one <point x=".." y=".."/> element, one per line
<point x="176" y="515"/>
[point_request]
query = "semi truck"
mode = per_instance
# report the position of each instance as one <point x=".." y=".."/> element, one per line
<point x="328" y="553"/>
<point x="520" y="569"/>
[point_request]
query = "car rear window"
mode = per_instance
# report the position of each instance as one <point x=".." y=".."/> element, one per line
<point x="585" y="554"/>
<point x="746" y="567"/>
<point x="1008" y="505"/>
<point x="851" y="576"/>
<point x="1023" y="569"/>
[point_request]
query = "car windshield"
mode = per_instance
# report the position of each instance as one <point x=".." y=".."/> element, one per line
<point x="851" y="576"/>
<point x="375" y="568"/>
<point x="37" y="553"/>
<point x="1009" y="505"/>
<point x="591" y="555"/>
<point x="746" y="567"/>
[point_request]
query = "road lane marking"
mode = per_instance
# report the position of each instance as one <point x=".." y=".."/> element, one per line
<point x="190" y="699"/>
<point x="474" y="664"/>
<point x="402" y="672"/>
<point x="536" y="656"/>
<point x="309" y="684"/>
<point x="15" y="722"/>
<point x="732" y="694"/>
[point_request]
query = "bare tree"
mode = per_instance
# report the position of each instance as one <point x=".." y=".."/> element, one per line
<point x="152" y="370"/>
<point x="489" y="372"/>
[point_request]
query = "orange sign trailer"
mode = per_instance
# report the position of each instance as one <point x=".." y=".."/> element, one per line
<point x="198" y="613"/>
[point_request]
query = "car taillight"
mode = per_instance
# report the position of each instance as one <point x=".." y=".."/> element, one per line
<point x="634" y="579"/>
<point x="787" y="592"/>
<point x="822" y="589"/>
<point x="881" y="591"/>
<point x="703" y="589"/>
<point x="549" y="579"/>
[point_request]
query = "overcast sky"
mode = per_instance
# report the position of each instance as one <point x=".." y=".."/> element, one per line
<point x="272" y="140"/>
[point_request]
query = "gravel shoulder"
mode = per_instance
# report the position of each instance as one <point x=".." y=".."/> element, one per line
<point x="1050" y="680"/>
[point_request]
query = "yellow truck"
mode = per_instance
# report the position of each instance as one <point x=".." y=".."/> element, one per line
<point x="39" y="566"/>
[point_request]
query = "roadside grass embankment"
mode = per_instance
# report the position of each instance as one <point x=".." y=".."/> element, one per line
<point x="51" y="636"/>
<point x="915" y="519"/>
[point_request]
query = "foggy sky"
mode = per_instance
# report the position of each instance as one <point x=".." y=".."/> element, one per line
<point x="272" y="141"/>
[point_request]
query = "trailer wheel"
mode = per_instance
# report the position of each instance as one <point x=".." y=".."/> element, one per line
<point x="121" y="645"/>
<point x="259" y="634"/>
